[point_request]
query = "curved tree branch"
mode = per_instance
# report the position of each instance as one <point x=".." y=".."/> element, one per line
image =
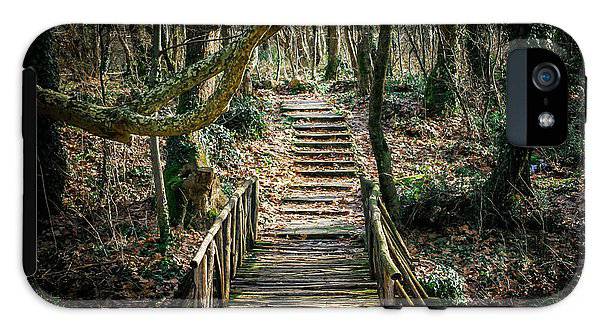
<point x="119" y="122"/>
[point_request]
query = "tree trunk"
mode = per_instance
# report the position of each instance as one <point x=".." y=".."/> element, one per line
<point x="162" y="212"/>
<point x="364" y="60"/>
<point x="510" y="177"/>
<point x="351" y="52"/>
<point x="477" y="54"/>
<point x="183" y="150"/>
<point x="315" y="52"/>
<point x="278" y="72"/>
<point x="380" y="148"/>
<point x="51" y="163"/>
<point x="246" y="87"/>
<point x="333" y="49"/>
<point x="439" y="87"/>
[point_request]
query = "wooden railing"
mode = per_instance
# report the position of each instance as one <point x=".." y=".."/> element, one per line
<point x="389" y="259"/>
<point x="216" y="262"/>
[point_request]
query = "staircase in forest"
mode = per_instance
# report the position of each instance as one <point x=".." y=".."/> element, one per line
<point x="317" y="257"/>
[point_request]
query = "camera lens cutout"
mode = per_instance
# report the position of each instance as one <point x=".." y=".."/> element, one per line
<point x="546" y="120"/>
<point x="546" y="76"/>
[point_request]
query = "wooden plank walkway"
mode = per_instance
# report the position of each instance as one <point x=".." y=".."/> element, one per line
<point x="317" y="257"/>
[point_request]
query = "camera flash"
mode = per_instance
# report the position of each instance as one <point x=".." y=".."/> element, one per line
<point x="546" y="120"/>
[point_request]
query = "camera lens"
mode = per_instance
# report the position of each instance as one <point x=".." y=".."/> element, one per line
<point x="546" y="77"/>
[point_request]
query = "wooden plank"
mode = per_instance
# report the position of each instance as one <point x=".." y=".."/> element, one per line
<point x="317" y="116"/>
<point x="323" y="186"/>
<point x="317" y="126"/>
<point x="333" y="163"/>
<point x="316" y="211"/>
<point x="323" y="153"/>
<point x="310" y="199"/>
<point x="322" y="144"/>
<point x="323" y="136"/>
<point x="308" y="107"/>
<point x="292" y="285"/>
<point x="328" y="173"/>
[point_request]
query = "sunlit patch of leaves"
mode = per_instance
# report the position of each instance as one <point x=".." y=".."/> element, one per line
<point x="445" y="283"/>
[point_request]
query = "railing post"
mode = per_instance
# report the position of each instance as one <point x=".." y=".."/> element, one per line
<point x="220" y="254"/>
<point x="220" y="257"/>
<point x="203" y="282"/>
<point x="227" y="267"/>
<point x="255" y="205"/>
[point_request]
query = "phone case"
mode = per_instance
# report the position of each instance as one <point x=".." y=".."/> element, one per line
<point x="294" y="166"/>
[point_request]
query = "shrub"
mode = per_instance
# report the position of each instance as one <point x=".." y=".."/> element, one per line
<point x="430" y="200"/>
<point x="245" y="117"/>
<point x="445" y="283"/>
<point x="219" y="144"/>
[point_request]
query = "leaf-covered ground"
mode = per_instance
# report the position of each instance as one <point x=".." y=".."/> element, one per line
<point x="108" y="249"/>
<point x="495" y="265"/>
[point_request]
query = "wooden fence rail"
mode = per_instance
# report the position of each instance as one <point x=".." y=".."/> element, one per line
<point x="389" y="259"/>
<point x="216" y="262"/>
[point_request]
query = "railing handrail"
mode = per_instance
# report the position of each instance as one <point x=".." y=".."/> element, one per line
<point x="214" y="265"/>
<point x="210" y="235"/>
<point x="389" y="259"/>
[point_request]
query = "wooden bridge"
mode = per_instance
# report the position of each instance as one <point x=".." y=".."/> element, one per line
<point x="321" y="256"/>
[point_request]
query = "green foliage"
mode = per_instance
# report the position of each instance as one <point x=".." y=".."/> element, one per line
<point x="403" y="95"/>
<point x="445" y="283"/>
<point x="430" y="200"/>
<point x="181" y="150"/>
<point x="175" y="198"/>
<point x="212" y="214"/>
<point x="408" y="86"/>
<point x="571" y="152"/>
<point x="219" y="144"/>
<point x="228" y="187"/>
<point x="296" y="86"/>
<point x="245" y="117"/>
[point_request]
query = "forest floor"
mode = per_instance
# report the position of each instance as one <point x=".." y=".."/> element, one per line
<point x="110" y="251"/>
<point x="496" y="266"/>
<point x="117" y="255"/>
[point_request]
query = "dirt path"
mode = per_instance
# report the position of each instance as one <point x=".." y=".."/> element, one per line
<point x="313" y="254"/>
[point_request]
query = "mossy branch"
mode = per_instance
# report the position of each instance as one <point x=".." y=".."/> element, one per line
<point x="120" y="122"/>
